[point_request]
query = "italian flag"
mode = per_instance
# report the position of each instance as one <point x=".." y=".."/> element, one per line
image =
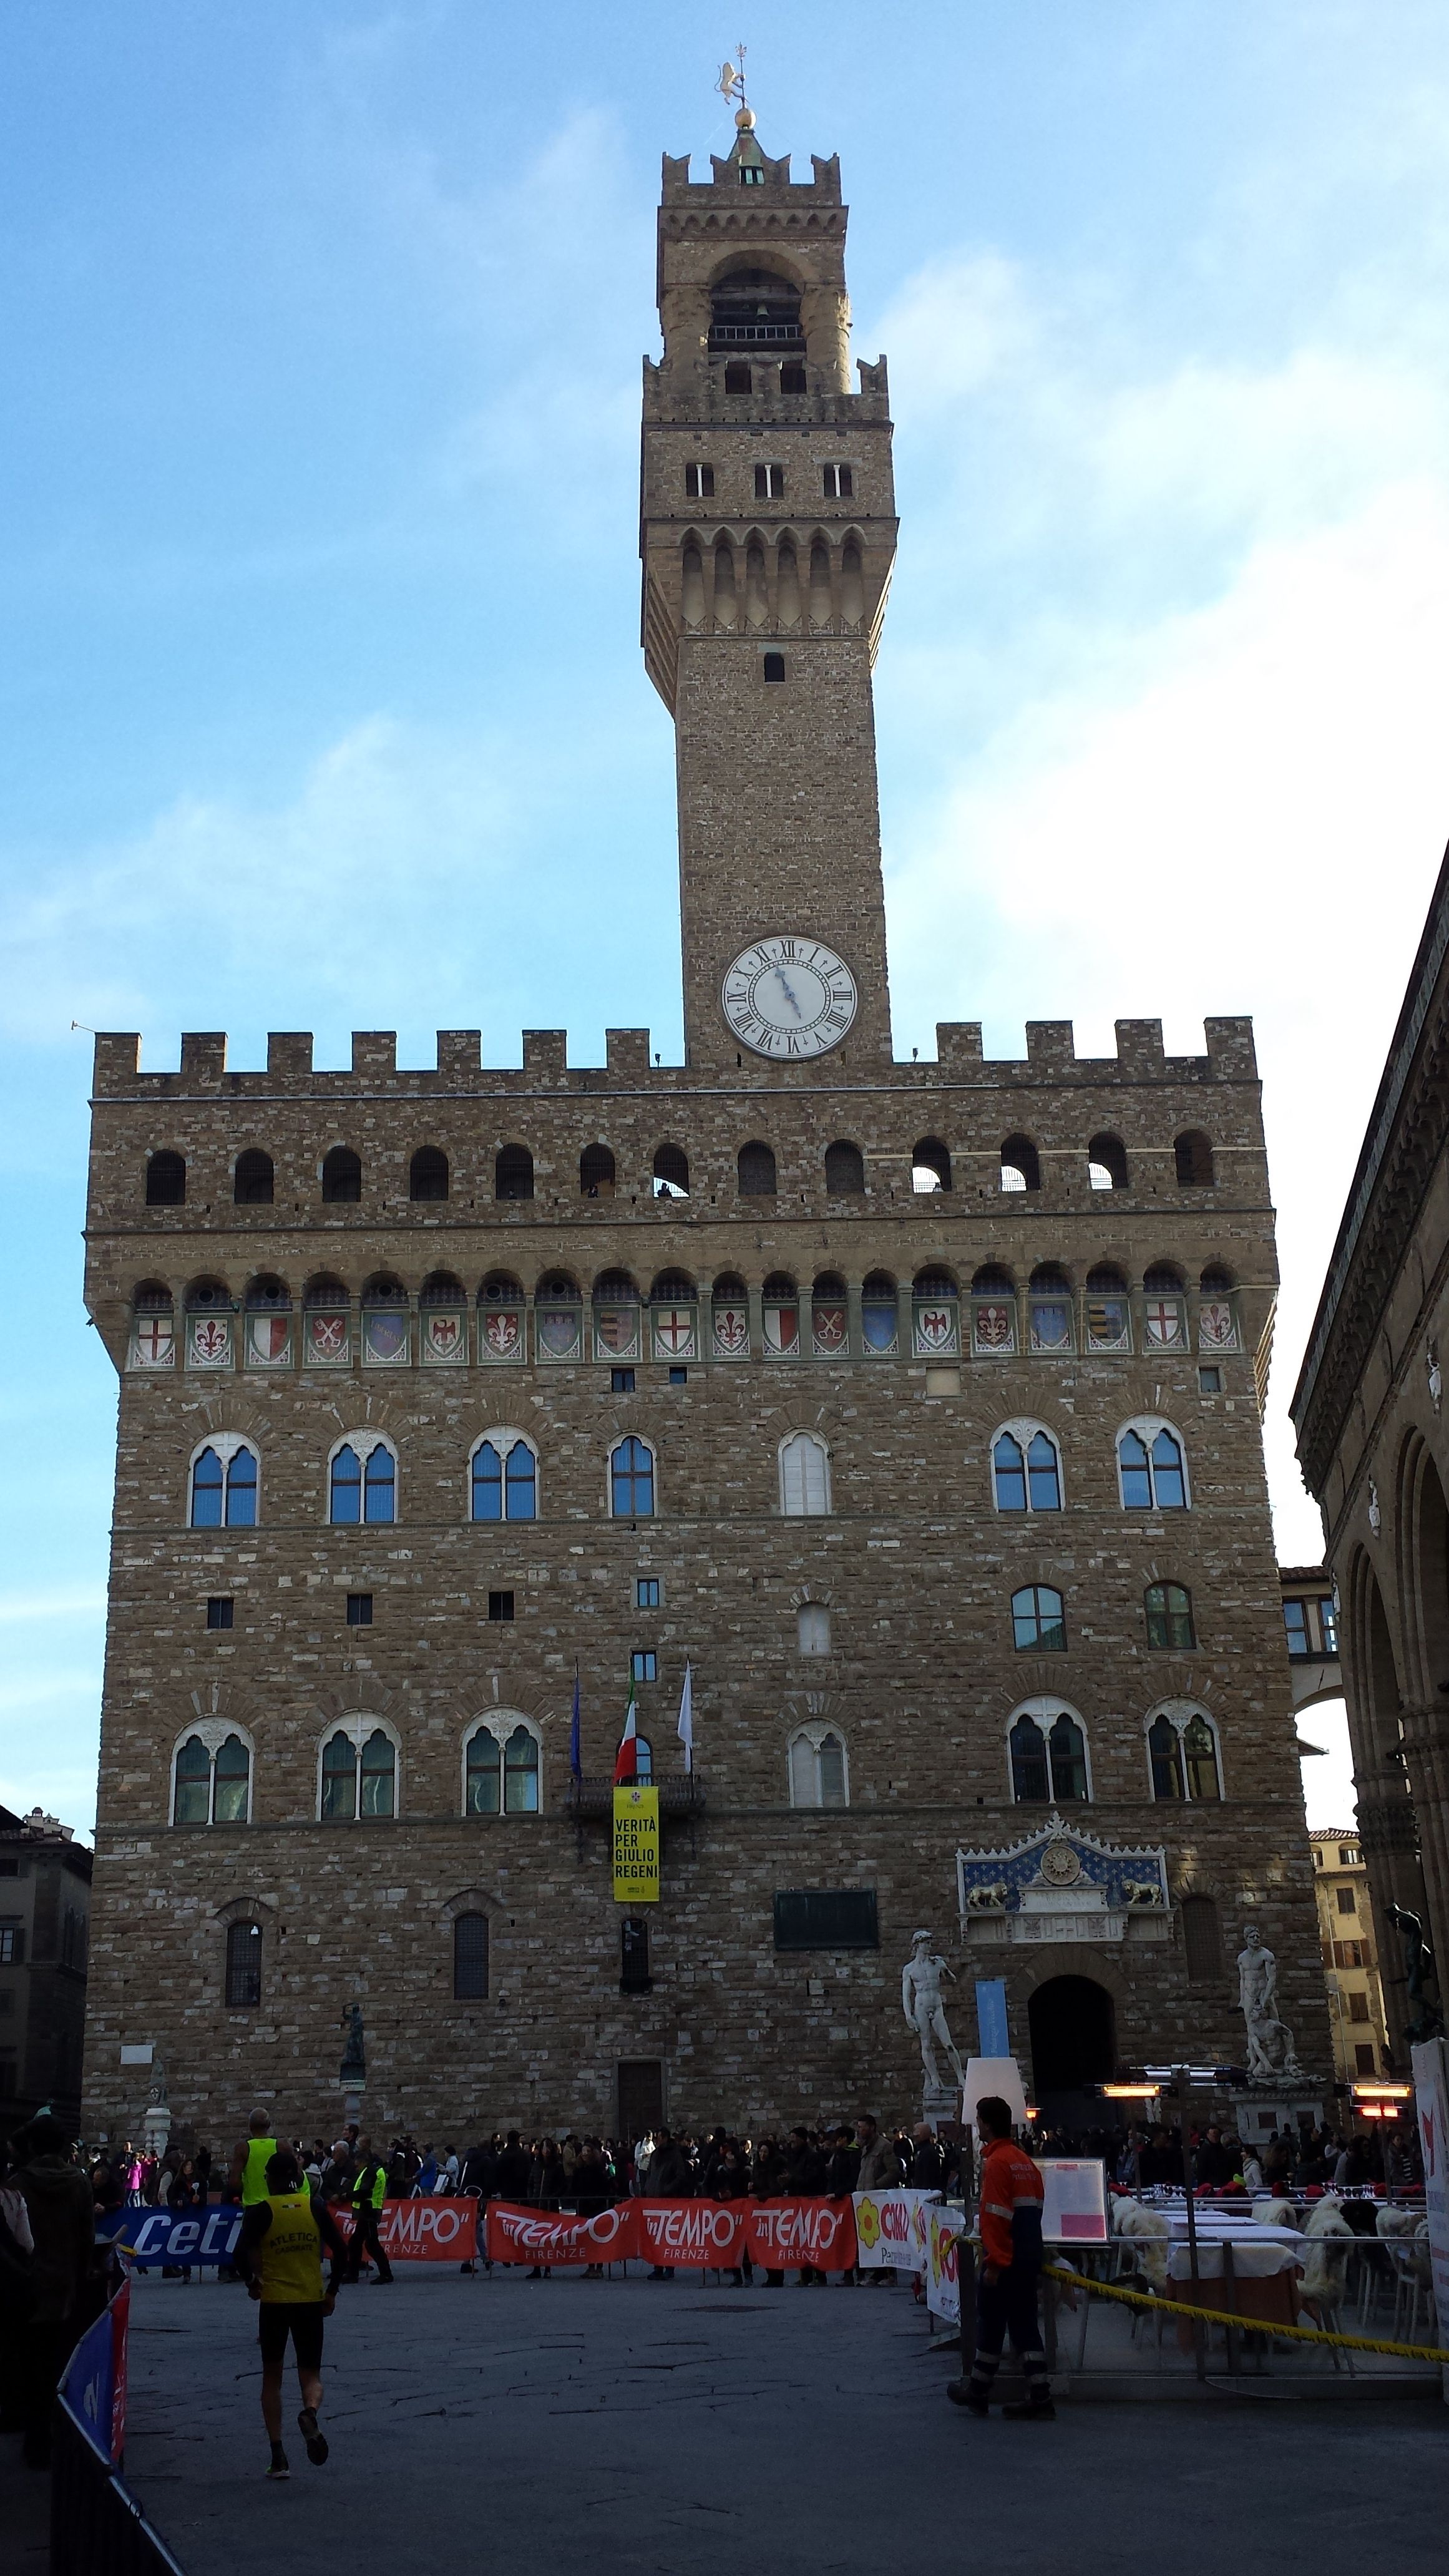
<point x="626" y="1760"/>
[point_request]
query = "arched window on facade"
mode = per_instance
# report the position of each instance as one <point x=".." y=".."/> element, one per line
<point x="341" y="1177"/>
<point x="501" y="1769"/>
<point x="1107" y="1163"/>
<point x="1151" y="1469"/>
<point x="243" y="1966"/>
<point x="596" y="1173"/>
<point x="470" y="1958"/>
<point x="513" y="1173"/>
<point x="844" y="1172"/>
<point x="1020" y="1164"/>
<point x="252" y="1181"/>
<point x="363" y="1483"/>
<point x="505" y="1481"/>
<point x="359" y="1778"/>
<point x="1026" y="1469"/>
<point x="1048" y="1756"/>
<point x="428" y="1173"/>
<point x="1169" y="1618"/>
<point x="804" y="1477"/>
<point x="1193" y="1156"/>
<point x="166" y="1180"/>
<point x="757" y="1171"/>
<point x="1038" y="1620"/>
<point x="224" y="1487"/>
<point x="817" y="1768"/>
<point x="631" y="1480"/>
<point x="671" y="1173"/>
<point x="930" y="1166"/>
<point x="212" y="1787"/>
<point x="1182" y="1750"/>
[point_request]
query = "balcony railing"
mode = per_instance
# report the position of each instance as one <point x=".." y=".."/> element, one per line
<point x="678" y="1796"/>
<point x="756" y="335"/>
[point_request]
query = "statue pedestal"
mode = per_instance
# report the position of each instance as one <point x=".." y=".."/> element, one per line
<point x="1278" y="2104"/>
<point x="157" y="2129"/>
<point x="351" y="2098"/>
<point x="941" y="2103"/>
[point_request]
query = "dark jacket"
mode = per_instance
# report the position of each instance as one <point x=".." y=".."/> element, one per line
<point x="770" y="2177"/>
<point x="63" y="2224"/>
<point x="671" y="2175"/>
<point x="514" y="2167"/>
<point x="927" y="2165"/>
<point x="807" y="2172"/>
<point x="841" y="2172"/>
<point x="729" y="2181"/>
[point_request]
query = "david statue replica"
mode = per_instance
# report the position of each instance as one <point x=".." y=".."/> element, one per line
<point x="1271" y="2053"/>
<point x="924" y="2009"/>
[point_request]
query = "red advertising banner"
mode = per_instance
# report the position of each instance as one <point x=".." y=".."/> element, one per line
<point x="779" y="2234"/>
<point x="435" y="2228"/>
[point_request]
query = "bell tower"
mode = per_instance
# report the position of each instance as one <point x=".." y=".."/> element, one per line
<point x="768" y="533"/>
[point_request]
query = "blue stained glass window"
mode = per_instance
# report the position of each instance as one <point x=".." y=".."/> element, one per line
<point x="1045" y="1476"/>
<point x="487" y="1483"/>
<point x="241" y="1491"/>
<point x="1010" y="1470"/>
<point x="346" y="1486"/>
<point x="207" y="1485"/>
<point x="522" y="1482"/>
<point x="1136" y="1473"/>
<point x="631" y="1470"/>
<point x="1167" y="1475"/>
<point x="380" y="1485"/>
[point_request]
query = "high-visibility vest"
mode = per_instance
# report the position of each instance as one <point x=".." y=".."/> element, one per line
<point x="370" y="2195"/>
<point x="289" y="2257"/>
<point x="259" y="2154"/>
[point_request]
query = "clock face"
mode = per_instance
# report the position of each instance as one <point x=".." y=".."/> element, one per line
<point x="789" y="997"/>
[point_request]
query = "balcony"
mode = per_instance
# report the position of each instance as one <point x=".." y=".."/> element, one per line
<point x="679" y="1795"/>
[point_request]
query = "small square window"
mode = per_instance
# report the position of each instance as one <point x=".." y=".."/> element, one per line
<point x="500" y="1605"/>
<point x="1210" y="1381"/>
<point x="621" y="1381"/>
<point x="751" y="175"/>
<point x="769" y="482"/>
<point x="644" y="1664"/>
<point x="646" y="1592"/>
<point x="359" y="1609"/>
<point x="839" y="483"/>
<point x="679" y="1377"/>
<point x="219" y="1610"/>
<point x="774" y="666"/>
<point x="699" y="482"/>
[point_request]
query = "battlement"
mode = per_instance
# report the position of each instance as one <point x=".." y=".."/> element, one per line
<point x="1051" y="1059"/>
<point x="822" y="188"/>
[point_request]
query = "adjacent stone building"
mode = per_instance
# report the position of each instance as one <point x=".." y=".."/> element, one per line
<point x="45" y="1899"/>
<point x="1374" y="1445"/>
<point x="915" y="1407"/>
<point x="1361" y="2048"/>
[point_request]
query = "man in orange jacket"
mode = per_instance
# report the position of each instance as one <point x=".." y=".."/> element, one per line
<point x="1009" y="2218"/>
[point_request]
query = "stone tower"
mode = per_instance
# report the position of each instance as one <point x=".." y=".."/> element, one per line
<point x="768" y="533"/>
<point x="914" y="1408"/>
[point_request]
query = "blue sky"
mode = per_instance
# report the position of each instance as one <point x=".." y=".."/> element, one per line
<point x="322" y="702"/>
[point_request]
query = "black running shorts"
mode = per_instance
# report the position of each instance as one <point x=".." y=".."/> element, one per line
<point x="299" y="2318"/>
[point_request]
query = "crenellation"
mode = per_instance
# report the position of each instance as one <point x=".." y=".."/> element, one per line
<point x="289" y="1056"/>
<point x="374" y="1055"/>
<point x="1140" y="1050"/>
<point x="545" y="1054"/>
<point x="203" y="1059"/>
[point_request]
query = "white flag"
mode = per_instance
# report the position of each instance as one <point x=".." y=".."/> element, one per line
<point x="685" y="1728"/>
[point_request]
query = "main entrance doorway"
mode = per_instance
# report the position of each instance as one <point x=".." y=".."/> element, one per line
<point x="641" y="2097"/>
<point x="1073" y="2046"/>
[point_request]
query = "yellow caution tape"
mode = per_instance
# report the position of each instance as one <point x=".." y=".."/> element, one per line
<point x="1245" y="2325"/>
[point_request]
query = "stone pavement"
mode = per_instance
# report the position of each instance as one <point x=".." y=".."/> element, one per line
<point x="609" y="2427"/>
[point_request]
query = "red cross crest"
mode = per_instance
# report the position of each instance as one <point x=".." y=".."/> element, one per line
<point x="1163" y="1323"/>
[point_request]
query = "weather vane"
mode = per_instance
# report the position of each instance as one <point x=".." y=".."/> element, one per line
<point x="731" y="87"/>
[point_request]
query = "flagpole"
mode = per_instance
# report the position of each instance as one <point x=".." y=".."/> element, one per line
<point x="685" y="1727"/>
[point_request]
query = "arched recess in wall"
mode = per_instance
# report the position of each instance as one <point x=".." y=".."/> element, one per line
<point x="1422" y="1530"/>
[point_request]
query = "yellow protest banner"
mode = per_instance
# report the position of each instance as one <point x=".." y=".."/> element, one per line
<point x="636" y="1845"/>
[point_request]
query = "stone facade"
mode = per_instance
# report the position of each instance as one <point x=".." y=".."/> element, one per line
<point x="1374" y="1444"/>
<point x="45" y="1900"/>
<point x="825" y="1352"/>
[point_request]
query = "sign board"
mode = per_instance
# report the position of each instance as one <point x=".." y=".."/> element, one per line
<point x="991" y="2033"/>
<point x="636" y="1844"/>
<point x="1431" y="2102"/>
<point x="890" y="2229"/>
<point x="944" y="2232"/>
<point x="1074" y="2210"/>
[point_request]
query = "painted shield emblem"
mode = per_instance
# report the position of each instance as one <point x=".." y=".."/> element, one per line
<point x="616" y="1330"/>
<point x="674" y="1332"/>
<point x="327" y="1336"/>
<point x="731" y="1331"/>
<point x="1216" y="1330"/>
<point x="935" y="1328"/>
<point x="269" y="1339"/>
<point x="993" y="1328"/>
<point x="210" y="1342"/>
<point x="1164" y="1325"/>
<point x="558" y="1332"/>
<point x="827" y="1327"/>
<point x="878" y="1329"/>
<point x="444" y="1338"/>
<point x="502" y="1335"/>
<point x="1051" y="1328"/>
<point x="153" y="1342"/>
<point x="1107" y="1323"/>
<point x="782" y="1332"/>
<point x="386" y="1337"/>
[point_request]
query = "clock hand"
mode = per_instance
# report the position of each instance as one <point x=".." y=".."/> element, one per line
<point x="788" y="992"/>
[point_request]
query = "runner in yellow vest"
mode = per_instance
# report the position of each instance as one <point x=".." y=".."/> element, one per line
<point x="249" y="2161"/>
<point x="279" y="2257"/>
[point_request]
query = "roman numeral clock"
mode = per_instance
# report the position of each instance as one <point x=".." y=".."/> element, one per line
<point x="789" y="998"/>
